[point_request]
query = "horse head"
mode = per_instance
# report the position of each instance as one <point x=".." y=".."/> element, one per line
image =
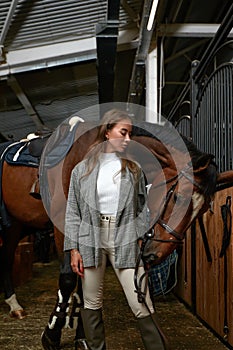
<point x="182" y="187"/>
<point x="188" y="195"/>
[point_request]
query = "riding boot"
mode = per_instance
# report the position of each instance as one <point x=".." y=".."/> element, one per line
<point x="94" y="328"/>
<point x="152" y="338"/>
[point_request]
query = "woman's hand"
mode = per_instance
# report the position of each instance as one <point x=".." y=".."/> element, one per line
<point x="140" y="242"/>
<point x="77" y="262"/>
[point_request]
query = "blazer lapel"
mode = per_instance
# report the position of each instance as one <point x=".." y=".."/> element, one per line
<point x="89" y="188"/>
<point x="126" y="189"/>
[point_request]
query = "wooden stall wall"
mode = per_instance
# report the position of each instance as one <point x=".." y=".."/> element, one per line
<point x="183" y="288"/>
<point x="207" y="286"/>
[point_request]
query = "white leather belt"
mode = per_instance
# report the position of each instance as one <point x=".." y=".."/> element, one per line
<point x="105" y="217"/>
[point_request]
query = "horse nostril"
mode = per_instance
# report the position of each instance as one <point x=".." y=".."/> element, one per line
<point x="150" y="259"/>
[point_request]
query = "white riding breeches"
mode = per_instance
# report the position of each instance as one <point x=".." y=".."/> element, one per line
<point x="93" y="280"/>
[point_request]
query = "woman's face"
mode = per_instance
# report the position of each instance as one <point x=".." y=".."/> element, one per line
<point x="119" y="136"/>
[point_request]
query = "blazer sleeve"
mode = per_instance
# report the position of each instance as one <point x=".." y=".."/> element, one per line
<point x="73" y="215"/>
<point x="142" y="208"/>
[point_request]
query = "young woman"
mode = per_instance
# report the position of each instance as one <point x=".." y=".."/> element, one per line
<point x="105" y="218"/>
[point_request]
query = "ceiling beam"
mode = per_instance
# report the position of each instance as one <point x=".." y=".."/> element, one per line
<point x="184" y="51"/>
<point x="15" y="86"/>
<point x="189" y="30"/>
<point x="53" y="55"/>
<point x="133" y="15"/>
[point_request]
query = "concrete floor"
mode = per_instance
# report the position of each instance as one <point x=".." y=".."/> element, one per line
<point x="38" y="296"/>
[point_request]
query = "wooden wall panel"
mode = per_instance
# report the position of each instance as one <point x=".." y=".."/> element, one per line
<point x="184" y="281"/>
<point x="208" y="301"/>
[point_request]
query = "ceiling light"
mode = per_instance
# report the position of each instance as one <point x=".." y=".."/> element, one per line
<point x="152" y="15"/>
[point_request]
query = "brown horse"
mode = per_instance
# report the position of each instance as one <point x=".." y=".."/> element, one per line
<point x="183" y="184"/>
<point x="24" y="215"/>
<point x="183" y="181"/>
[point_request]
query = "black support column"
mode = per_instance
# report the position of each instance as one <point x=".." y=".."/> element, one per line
<point x="106" y="40"/>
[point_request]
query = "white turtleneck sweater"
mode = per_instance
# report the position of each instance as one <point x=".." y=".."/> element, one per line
<point x="108" y="183"/>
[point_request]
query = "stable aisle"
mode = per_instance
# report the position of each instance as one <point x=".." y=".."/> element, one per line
<point x="38" y="296"/>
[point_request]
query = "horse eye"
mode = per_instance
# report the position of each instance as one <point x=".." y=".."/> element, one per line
<point x="180" y="199"/>
<point x="177" y="197"/>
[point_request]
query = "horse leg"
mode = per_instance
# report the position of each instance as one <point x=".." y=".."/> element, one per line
<point x="76" y="319"/>
<point x="51" y="336"/>
<point x="11" y="237"/>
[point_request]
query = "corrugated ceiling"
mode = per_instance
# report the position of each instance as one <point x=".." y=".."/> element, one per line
<point x="54" y="21"/>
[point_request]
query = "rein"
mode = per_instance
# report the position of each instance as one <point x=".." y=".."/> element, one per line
<point x="141" y="294"/>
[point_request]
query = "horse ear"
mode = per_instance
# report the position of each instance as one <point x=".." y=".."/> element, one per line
<point x="225" y="177"/>
<point x="202" y="162"/>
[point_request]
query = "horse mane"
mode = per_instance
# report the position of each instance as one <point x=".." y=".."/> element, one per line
<point x="169" y="136"/>
<point x="157" y="131"/>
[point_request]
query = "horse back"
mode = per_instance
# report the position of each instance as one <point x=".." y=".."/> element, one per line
<point x="17" y="182"/>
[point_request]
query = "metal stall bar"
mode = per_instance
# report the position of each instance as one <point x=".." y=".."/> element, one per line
<point x="212" y="121"/>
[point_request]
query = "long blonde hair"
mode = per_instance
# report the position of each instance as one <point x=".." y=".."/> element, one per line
<point x="109" y="120"/>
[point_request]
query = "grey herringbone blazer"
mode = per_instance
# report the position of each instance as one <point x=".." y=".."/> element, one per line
<point x="82" y="222"/>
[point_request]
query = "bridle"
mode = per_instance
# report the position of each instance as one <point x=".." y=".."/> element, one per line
<point x="149" y="235"/>
<point x="159" y="220"/>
